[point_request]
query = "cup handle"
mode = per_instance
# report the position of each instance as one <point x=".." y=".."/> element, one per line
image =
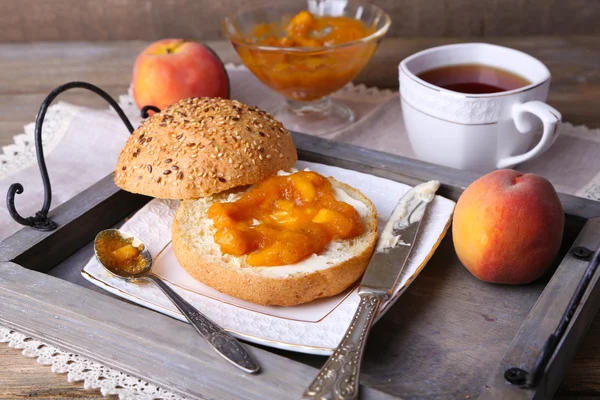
<point x="551" y="119"/>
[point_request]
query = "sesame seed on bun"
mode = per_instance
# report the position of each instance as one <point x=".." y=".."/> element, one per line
<point x="203" y="146"/>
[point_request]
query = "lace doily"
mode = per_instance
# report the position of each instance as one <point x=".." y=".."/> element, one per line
<point x="592" y="189"/>
<point x="77" y="368"/>
<point x="20" y="154"/>
<point x="350" y="91"/>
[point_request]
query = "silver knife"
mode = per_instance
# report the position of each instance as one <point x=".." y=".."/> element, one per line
<point x="339" y="377"/>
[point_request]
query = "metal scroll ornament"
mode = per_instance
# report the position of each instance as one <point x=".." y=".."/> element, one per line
<point x="40" y="220"/>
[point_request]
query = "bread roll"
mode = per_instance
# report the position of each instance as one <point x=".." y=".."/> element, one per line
<point x="339" y="266"/>
<point x="201" y="146"/>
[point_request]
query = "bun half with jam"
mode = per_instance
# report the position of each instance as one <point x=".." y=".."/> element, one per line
<point x="248" y="225"/>
<point x="326" y="274"/>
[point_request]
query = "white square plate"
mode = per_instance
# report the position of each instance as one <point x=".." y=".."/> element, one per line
<point x="315" y="327"/>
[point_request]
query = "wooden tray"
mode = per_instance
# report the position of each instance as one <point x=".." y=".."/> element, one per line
<point x="448" y="336"/>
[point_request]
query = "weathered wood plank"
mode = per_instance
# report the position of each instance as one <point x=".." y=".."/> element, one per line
<point x="421" y="331"/>
<point x="32" y="384"/>
<point x="406" y="337"/>
<point x="542" y="322"/>
<point x="71" y="317"/>
<point x="69" y="20"/>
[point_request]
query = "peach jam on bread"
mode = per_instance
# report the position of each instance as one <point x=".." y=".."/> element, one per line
<point x="284" y="220"/>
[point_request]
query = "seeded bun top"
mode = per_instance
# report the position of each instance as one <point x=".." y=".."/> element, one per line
<point x="202" y="146"/>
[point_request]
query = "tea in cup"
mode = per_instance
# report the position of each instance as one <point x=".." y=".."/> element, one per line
<point x="476" y="106"/>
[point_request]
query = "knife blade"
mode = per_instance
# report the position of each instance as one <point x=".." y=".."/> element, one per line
<point x="396" y="240"/>
<point x="338" y="379"/>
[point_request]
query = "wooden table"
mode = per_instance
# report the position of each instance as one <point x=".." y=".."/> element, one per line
<point x="30" y="71"/>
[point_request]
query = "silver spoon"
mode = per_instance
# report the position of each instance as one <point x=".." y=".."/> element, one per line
<point x="225" y="344"/>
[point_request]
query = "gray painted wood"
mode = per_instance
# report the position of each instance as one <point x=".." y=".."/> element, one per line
<point x="541" y="323"/>
<point x="140" y="342"/>
<point x="440" y="340"/>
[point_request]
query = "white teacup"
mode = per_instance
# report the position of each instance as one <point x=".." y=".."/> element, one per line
<point x="477" y="132"/>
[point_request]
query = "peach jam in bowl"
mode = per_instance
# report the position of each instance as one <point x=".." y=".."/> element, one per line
<point x="306" y="51"/>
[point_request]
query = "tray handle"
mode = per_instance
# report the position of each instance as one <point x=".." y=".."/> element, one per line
<point x="529" y="379"/>
<point x="40" y="220"/>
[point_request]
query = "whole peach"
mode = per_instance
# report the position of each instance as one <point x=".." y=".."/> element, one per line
<point x="508" y="227"/>
<point x="173" y="69"/>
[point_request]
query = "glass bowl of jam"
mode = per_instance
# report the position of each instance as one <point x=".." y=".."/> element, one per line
<point x="306" y="51"/>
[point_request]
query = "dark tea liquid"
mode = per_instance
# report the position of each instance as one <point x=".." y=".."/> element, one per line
<point x="473" y="79"/>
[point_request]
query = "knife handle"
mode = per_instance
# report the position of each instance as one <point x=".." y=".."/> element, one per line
<point x="339" y="377"/>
